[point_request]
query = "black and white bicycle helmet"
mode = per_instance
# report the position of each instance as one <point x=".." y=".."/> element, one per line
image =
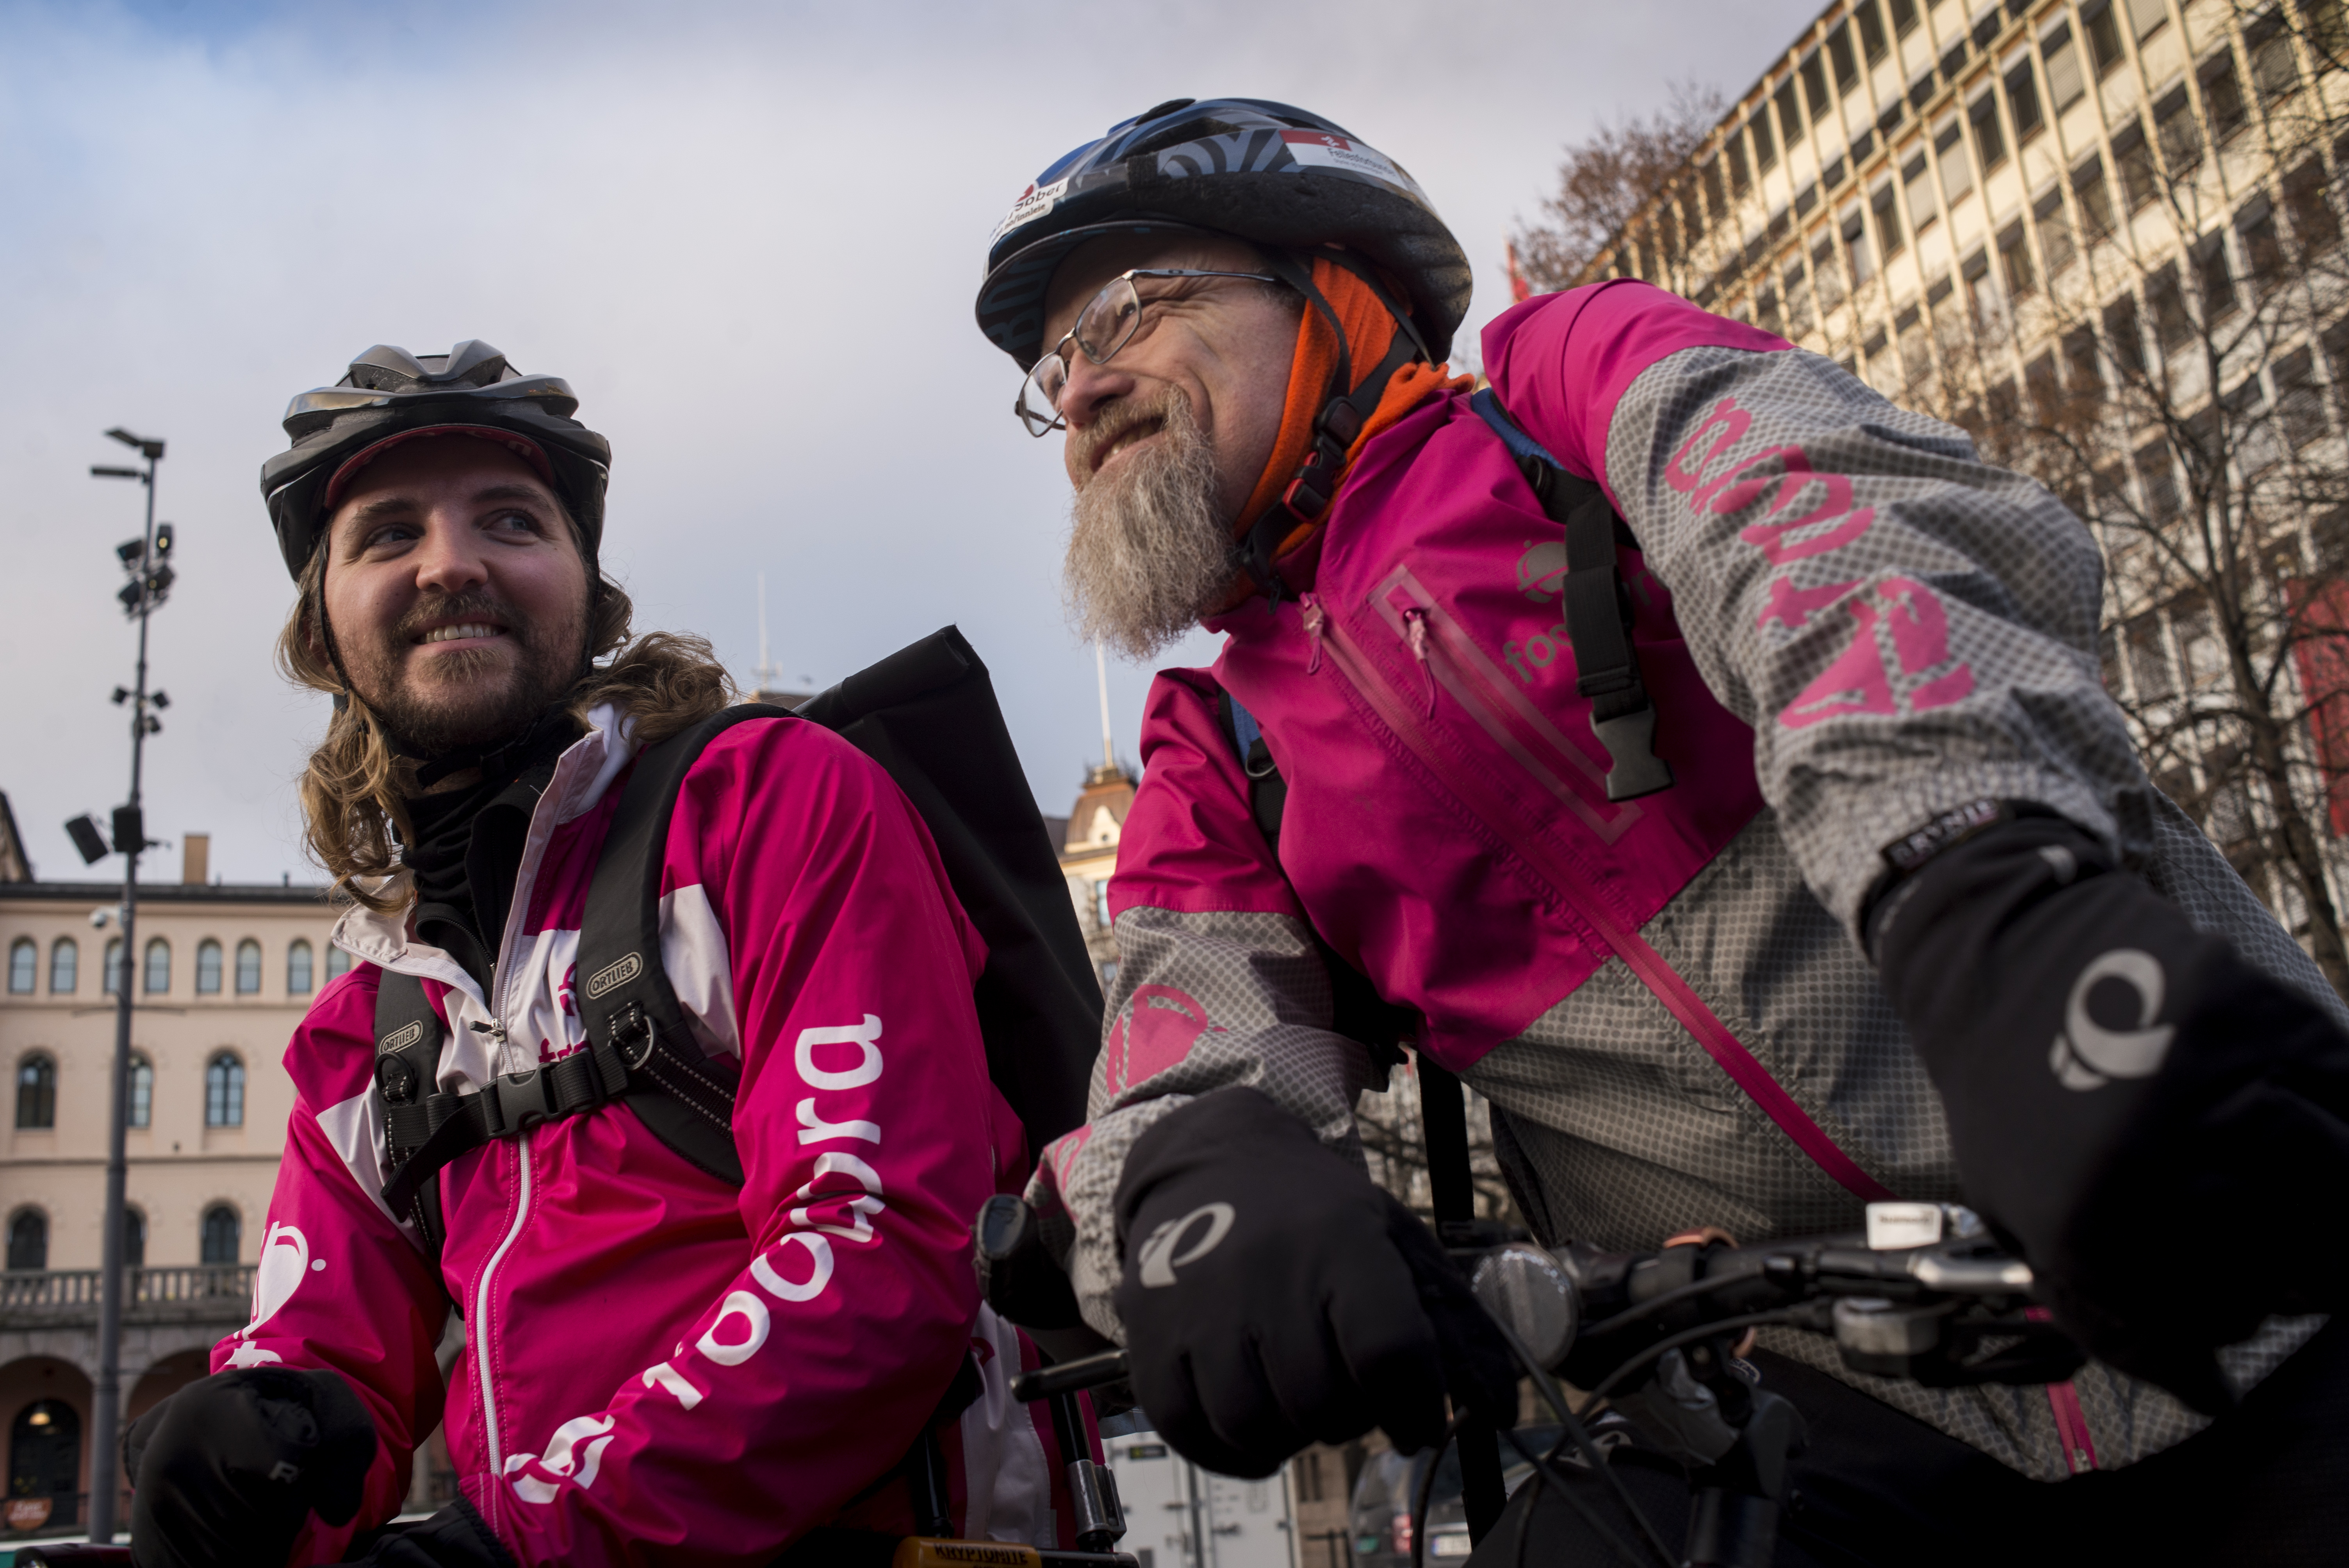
<point x="389" y="395"/>
<point x="1248" y="167"/>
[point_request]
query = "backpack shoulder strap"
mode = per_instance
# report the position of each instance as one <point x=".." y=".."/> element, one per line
<point x="1598" y="609"/>
<point x="407" y="1035"/>
<point x="638" y="1046"/>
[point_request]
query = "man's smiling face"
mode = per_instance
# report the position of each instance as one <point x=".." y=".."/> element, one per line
<point x="1167" y="440"/>
<point x="455" y="593"/>
<point x="1223" y="344"/>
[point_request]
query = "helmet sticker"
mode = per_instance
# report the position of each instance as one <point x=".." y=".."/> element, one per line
<point x="1319" y="149"/>
<point x="1034" y="202"/>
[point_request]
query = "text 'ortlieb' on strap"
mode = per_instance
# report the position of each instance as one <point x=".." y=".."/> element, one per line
<point x="1598" y="608"/>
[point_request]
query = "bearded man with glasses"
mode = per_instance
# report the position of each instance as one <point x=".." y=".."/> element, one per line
<point x="1707" y="761"/>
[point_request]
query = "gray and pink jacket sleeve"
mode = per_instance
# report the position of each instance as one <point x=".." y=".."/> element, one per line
<point x="658" y="1366"/>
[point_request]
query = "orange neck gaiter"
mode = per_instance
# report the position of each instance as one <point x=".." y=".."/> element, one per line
<point x="1369" y="332"/>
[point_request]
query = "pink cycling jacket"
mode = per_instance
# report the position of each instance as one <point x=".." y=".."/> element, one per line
<point x="658" y="1366"/>
<point x="1847" y="625"/>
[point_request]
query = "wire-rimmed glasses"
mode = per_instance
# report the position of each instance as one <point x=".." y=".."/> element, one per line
<point x="1107" y="324"/>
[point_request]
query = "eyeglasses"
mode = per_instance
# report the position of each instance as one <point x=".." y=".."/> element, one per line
<point x="1107" y="324"/>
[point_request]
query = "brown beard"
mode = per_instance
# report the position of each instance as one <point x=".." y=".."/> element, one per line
<point x="470" y="700"/>
<point x="1149" y="553"/>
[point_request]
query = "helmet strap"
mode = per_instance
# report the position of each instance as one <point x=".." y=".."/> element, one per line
<point x="1340" y="422"/>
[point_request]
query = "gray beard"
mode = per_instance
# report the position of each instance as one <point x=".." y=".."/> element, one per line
<point x="1149" y="553"/>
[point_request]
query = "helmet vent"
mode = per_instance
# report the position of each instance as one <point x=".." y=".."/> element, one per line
<point x="1169" y="106"/>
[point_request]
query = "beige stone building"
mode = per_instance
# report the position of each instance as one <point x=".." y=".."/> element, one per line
<point x="221" y="975"/>
<point x="1089" y="837"/>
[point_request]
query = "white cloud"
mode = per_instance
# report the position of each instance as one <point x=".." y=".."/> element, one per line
<point x="747" y="235"/>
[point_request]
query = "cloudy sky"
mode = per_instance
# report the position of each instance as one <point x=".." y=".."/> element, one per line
<point x="748" y="234"/>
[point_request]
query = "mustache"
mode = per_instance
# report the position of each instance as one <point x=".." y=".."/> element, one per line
<point x="472" y="605"/>
<point x="1113" y="422"/>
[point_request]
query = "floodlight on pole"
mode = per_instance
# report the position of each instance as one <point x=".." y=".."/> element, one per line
<point x="151" y="581"/>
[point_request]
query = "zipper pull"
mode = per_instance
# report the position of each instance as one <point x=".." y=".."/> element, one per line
<point x="1315" y="618"/>
<point x="1414" y="622"/>
<point x="492" y="1028"/>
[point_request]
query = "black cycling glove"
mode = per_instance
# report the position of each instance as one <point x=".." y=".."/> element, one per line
<point x="456" y="1537"/>
<point x="1273" y="1296"/>
<point x="2152" y="1122"/>
<point x="226" y="1471"/>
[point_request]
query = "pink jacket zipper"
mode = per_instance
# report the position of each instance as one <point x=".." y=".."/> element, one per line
<point x="1609" y="933"/>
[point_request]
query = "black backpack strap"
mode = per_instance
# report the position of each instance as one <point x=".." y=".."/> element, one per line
<point x="1360" y="1013"/>
<point x="638" y="1046"/>
<point x="1597" y="610"/>
<point x="1356" y="1010"/>
<point x="407" y="1035"/>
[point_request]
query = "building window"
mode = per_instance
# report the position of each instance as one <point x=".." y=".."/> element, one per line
<point x="45" y="1457"/>
<point x="2312" y="222"/>
<point x="1847" y="68"/>
<point x="24" y="965"/>
<point x="2095" y="198"/>
<point x="1740" y="179"/>
<point x="2083" y="373"/>
<point x="1766" y="151"/>
<point x="297" y="968"/>
<point x="1886" y="200"/>
<point x="2145" y="16"/>
<point x="2298" y="403"/>
<point x="1855" y="247"/>
<point x="159" y="967"/>
<point x="1790" y="114"/>
<point x="36" y="1091"/>
<point x="134" y="1239"/>
<point x="1919" y="190"/>
<point x="248" y="967"/>
<point x="2066" y="82"/>
<point x="2015" y="261"/>
<point x="221" y="1234"/>
<point x="2222" y="97"/>
<point x="28" y="1241"/>
<point x="2054" y="232"/>
<point x="2134" y="157"/>
<point x="114" y="967"/>
<point x="2274" y="70"/>
<point x="1825" y="269"/>
<point x="2103" y="36"/>
<point x="2263" y="246"/>
<point x="1814" y="89"/>
<point x="1957" y="169"/>
<point x="2215" y="277"/>
<point x="208" y="967"/>
<point x="1872" y="42"/>
<point x="2179" y="133"/>
<point x="224" y="1092"/>
<point x="1990" y="142"/>
<point x="142" y="1091"/>
<point x="2171" y="325"/>
<point x="1904" y="17"/>
<point x="2022" y="102"/>
<point x="65" y="966"/>
<point x="338" y="960"/>
<point x="2124" y="335"/>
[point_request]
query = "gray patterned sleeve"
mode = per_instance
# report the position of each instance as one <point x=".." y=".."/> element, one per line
<point x="1907" y="628"/>
<point x="1203" y="1002"/>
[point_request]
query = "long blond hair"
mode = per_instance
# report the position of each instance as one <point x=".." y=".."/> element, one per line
<point x="664" y="682"/>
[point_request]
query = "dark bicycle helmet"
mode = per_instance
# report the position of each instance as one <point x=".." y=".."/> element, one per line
<point x="1249" y="167"/>
<point x="390" y="394"/>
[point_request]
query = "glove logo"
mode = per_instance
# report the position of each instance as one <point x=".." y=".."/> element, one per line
<point x="1158" y="1260"/>
<point x="2087" y="1055"/>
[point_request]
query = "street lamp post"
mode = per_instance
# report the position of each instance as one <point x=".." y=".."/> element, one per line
<point x="150" y="578"/>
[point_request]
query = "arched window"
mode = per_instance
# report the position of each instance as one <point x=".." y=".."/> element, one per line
<point x="208" y="968"/>
<point x="338" y="960"/>
<point x="159" y="967"/>
<point x="65" y="966"/>
<point x="37" y="1090"/>
<point x="24" y="965"/>
<point x="224" y="1092"/>
<point x="134" y="1239"/>
<point x="297" y="968"/>
<point x="45" y="1457"/>
<point x="142" y="1091"/>
<point x="220" y="1234"/>
<point x="248" y="967"/>
<point x="114" y="967"/>
<point x="28" y="1240"/>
